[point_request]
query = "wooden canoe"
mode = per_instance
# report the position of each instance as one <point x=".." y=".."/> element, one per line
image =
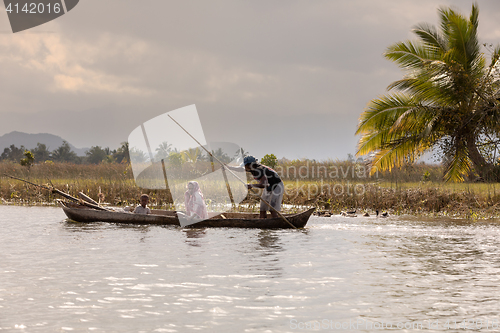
<point x="80" y="213"/>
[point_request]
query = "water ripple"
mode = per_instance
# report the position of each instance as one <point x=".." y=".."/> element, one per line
<point x="107" y="278"/>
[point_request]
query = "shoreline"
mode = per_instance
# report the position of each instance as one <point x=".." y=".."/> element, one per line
<point x="432" y="202"/>
<point x="386" y="193"/>
<point x="483" y="216"/>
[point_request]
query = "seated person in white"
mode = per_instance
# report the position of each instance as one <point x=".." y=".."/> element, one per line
<point x="195" y="202"/>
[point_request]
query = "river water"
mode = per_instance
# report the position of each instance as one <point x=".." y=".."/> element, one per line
<point x="338" y="274"/>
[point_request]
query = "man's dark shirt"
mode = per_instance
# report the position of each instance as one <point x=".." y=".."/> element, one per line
<point x="272" y="176"/>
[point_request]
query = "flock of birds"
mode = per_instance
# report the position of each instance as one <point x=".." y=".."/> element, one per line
<point x="351" y="213"/>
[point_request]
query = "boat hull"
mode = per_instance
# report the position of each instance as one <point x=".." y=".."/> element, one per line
<point x="233" y="220"/>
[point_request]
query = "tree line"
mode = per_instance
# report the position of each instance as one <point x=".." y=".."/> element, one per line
<point x="63" y="153"/>
<point x="97" y="155"/>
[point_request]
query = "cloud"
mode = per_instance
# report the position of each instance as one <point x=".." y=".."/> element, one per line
<point x="252" y="67"/>
<point x="67" y="64"/>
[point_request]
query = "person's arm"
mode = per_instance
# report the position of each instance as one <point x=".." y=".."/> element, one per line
<point x="240" y="169"/>
<point x="261" y="184"/>
<point x="232" y="168"/>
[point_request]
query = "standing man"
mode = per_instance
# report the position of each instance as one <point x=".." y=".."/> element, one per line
<point x="270" y="181"/>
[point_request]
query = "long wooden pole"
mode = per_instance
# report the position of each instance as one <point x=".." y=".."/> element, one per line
<point x="61" y="193"/>
<point x="222" y="164"/>
<point x="228" y="187"/>
<point x="165" y="177"/>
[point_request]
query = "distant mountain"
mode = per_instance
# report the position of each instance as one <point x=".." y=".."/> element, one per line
<point x="29" y="141"/>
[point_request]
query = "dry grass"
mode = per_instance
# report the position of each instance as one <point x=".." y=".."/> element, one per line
<point x="115" y="181"/>
<point x="387" y="192"/>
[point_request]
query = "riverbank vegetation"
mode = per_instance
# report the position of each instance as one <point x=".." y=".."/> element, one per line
<point x="328" y="185"/>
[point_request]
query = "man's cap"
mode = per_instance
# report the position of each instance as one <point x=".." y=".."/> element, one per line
<point x="249" y="159"/>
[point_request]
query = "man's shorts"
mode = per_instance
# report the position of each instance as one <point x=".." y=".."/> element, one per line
<point x="274" y="197"/>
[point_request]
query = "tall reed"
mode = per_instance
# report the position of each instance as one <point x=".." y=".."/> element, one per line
<point x="329" y="185"/>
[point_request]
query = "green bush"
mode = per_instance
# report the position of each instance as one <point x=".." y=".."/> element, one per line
<point x="270" y="160"/>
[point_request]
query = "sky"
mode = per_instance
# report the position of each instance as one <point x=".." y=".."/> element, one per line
<point x="289" y="78"/>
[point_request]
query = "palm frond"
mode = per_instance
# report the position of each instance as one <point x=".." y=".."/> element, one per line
<point x="462" y="34"/>
<point x="444" y="17"/>
<point x="390" y="120"/>
<point x="430" y="36"/>
<point x="398" y="155"/>
<point x="411" y="55"/>
<point x="382" y="111"/>
<point x="474" y="15"/>
<point x="459" y="165"/>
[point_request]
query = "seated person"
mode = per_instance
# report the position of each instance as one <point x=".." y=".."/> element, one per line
<point x="195" y="202"/>
<point x="142" y="209"/>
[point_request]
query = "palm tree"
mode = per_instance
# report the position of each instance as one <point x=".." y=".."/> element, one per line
<point x="64" y="153"/>
<point x="192" y="154"/>
<point x="221" y="155"/>
<point x="447" y="101"/>
<point x="96" y="154"/>
<point x="163" y="151"/>
<point x="41" y="152"/>
<point x="122" y="155"/>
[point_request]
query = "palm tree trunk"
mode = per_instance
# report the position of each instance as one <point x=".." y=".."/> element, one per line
<point x="481" y="166"/>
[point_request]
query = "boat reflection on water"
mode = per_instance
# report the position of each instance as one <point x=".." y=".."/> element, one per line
<point x="192" y="236"/>
<point x="269" y="251"/>
<point x="74" y="226"/>
<point x="79" y="227"/>
<point x="269" y="247"/>
<point x="268" y="243"/>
